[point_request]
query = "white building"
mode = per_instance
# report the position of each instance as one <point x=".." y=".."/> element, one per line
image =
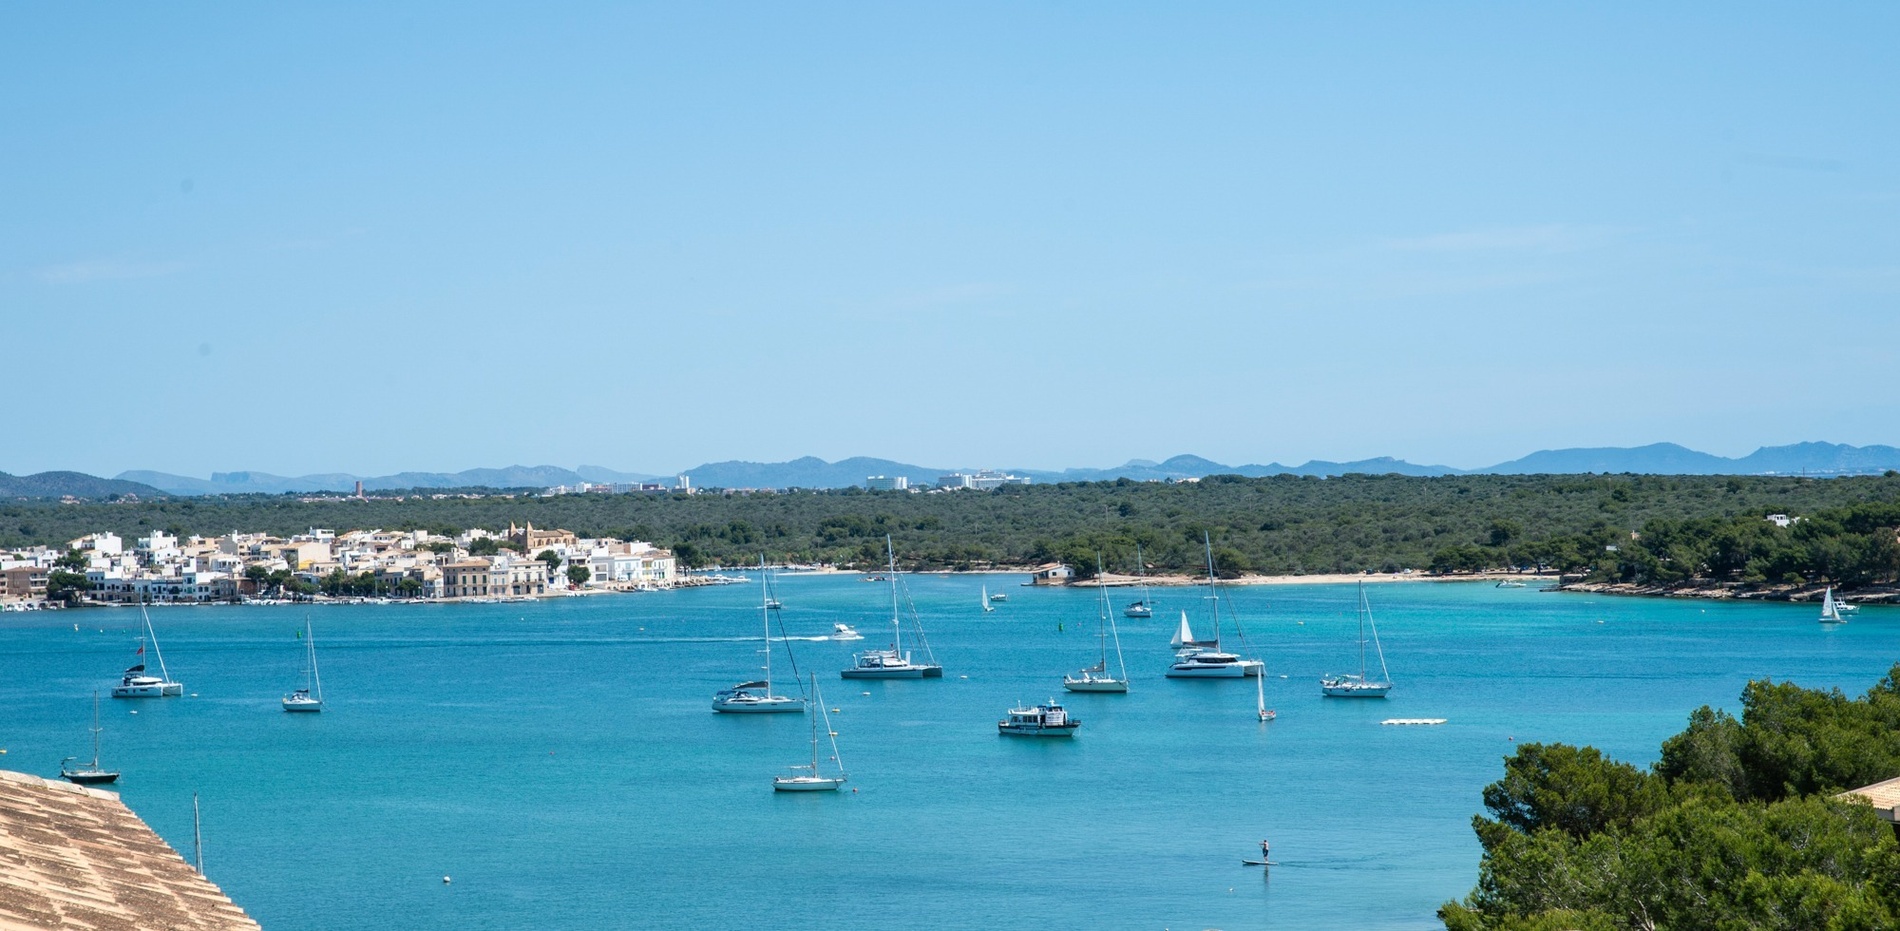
<point x="886" y="482"/>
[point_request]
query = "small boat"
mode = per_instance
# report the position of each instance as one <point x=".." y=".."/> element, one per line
<point x="90" y="774"/>
<point x="756" y="697"/>
<point x="1096" y="678"/>
<point x="310" y="697"/>
<point x="1359" y="686"/>
<point x="1045" y="720"/>
<point x="985" y="600"/>
<point x="1260" y="700"/>
<point x="1510" y="583"/>
<point x="1831" y="609"/>
<point x="842" y="631"/>
<point x="809" y="778"/>
<point x="135" y="683"/>
<point x="895" y="662"/>
<point x="997" y="596"/>
<point x="1145" y="607"/>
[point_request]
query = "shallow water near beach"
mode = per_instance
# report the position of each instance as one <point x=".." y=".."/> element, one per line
<point x="560" y="760"/>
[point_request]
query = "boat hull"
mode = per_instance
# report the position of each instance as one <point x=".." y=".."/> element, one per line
<point x="806" y="784"/>
<point x="1354" y="691"/>
<point x="894" y="672"/>
<point x="774" y="705"/>
<point x="89" y="777"/>
<point x="1236" y="671"/>
<point x="157" y="690"/>
<point x="1094" y="685"/>
<point x="1037" y="730"/>
<point x="306" y="706"/>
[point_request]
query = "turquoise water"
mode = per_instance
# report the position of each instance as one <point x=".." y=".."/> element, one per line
<point x="560" y="760"/>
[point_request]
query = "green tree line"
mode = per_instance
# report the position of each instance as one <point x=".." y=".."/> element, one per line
<point x="1736" y="827"/>
<point x="1283" y="524"/>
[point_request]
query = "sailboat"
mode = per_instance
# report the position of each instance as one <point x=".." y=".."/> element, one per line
<point x="135" y="683"/>
<point x="756" y="697"/>
<point x="90" y="774"/>
<point x="810" y="779"/>
<point x="893" y="663"/>
<point x="1096" y="678"/>
<point x="310" y="697"/>
<point x="1831" y="609"/>
<point x="1358" y="686"/>
<point x="1146" y="606"/>
<point x="1260" y="699"/>
<point x="1203" y="659"/>
<point x="986" y="600"/>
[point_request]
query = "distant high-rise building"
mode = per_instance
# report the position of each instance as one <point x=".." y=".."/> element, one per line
<point x="886" y="482"/>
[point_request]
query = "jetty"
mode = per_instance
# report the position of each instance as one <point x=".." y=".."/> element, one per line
<point x="78" y="858"/>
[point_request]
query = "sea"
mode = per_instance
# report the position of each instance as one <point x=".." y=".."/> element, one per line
<point x="557" y="764"/>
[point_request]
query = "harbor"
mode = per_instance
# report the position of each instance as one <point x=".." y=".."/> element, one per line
<point x="573" y="740"/>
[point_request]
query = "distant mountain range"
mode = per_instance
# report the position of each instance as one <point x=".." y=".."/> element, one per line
<point x="1819" y="459"/>
<point x="74" y="484"/>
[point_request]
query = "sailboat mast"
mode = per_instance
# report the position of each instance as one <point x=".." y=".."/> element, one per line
<point x="95" y="730"/>
<point x="1213" y="592"/>
<point x="197" y="836"/>
<point x="1362" y="631"/>
<point x="897" y="626"/>
<point x="765" y="618"/>
<point x="153" y="636"/>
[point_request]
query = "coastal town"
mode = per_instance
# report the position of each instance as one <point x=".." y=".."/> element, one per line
<point x="475" y="565"/>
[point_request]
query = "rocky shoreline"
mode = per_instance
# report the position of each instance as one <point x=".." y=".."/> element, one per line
<point x="1739" y="591"/>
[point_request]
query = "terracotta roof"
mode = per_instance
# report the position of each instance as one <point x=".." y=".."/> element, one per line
<point x="1885" y="796"/>
<point x="77" y="858"/>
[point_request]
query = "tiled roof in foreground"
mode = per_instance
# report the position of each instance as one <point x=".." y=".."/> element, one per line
<point x="77" y="858"/>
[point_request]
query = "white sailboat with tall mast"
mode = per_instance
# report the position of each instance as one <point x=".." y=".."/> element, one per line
<point x="1359" y="686"/>
<point x="91" y="774"/>
<point x="1204" y="659"/>
<point x="987" y="607"/>
<point x="1144" y="608"/>
<point x="809" y="777"/>
<point x="135" y="682"/>
<point x="1096" y="678"/>
<point x="310" y="697"/>
<point x="895" y="662"/>
<point x="756" y="697"/>
<point x="1831" y="609"/>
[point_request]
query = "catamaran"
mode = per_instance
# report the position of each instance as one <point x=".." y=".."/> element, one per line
<point x="809" y="779"/>
<point x="756" y="697"/>
<point x="1096" y="678"/>
<point x="135" y="683"/>
<point x="895" y="662"/>
<point x="1831" y="609"/>
<point x="310" y="697"/>
<point x="1204" y="659"/>
<point x="1359" y="686"/>
<point x="1146" y="606"/>
<point x="91" y="774"/>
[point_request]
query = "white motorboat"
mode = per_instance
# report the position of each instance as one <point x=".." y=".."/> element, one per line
<point x="1096" y="678"/>
<point x="310" y="697"/>
<point x="1045" y="720"/>
<point x="756" y="697"/>
<point x="136" y="682"/>
<point x="1358" y="685"/>
<point x="809" y="778"/>
<point x="842" y="631"/>
<point x="92" y="774"/>
<point x="894" y="662"/>
<point x="1204" y="659"/>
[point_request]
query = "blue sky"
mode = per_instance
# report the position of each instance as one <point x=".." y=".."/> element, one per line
<point x="357" y="238"/>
